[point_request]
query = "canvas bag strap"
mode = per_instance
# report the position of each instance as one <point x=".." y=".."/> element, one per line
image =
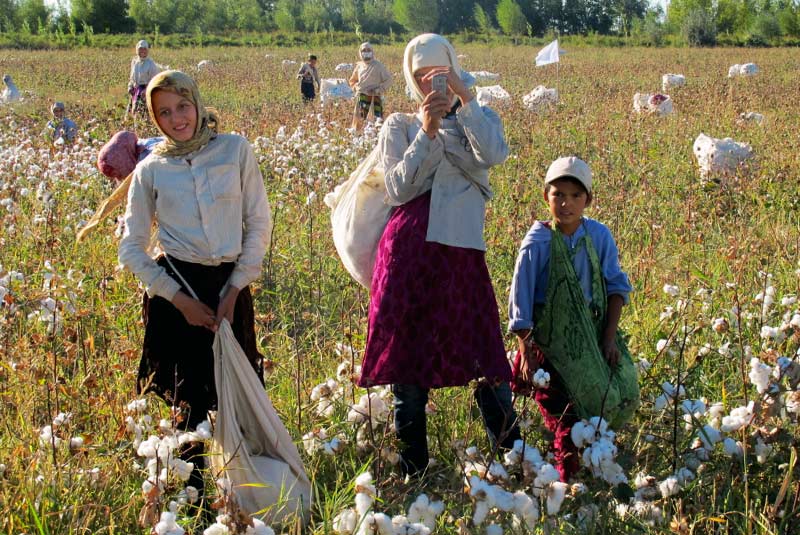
<point x="180" y="277"/>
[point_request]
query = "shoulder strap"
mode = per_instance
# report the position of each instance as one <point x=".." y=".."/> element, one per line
<point x="178" y="273"/>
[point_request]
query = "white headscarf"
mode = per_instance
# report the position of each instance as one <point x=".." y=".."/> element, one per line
<point x="430" y="50"/>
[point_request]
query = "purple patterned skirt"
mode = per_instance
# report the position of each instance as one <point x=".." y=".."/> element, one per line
<point x="433" y="318"/>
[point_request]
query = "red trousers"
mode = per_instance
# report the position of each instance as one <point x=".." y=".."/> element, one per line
<point x="556" y="410"/>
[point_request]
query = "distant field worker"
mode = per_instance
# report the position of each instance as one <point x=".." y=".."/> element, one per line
<point x="370" y="80"/>
<point x="206" y="193"/>
<point x="309" y="79"/>
<point x="143" y="69"/>
<point x="61" y="127"/>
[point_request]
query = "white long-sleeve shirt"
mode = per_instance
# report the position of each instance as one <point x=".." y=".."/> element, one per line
<point x="211" y="207"/>
<point x="459" y="180"/>
<point x="371" y="77"/>
<point x="142" y="71"/>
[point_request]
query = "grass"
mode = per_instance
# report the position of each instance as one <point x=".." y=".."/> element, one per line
<point x="670" y="229"/>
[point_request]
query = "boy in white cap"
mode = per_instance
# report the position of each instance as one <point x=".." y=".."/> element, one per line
<point x="143" y="69"/>
<point x="61" y="127"/>
<point x="577" y="255"/>
<point x="370" y="80"/>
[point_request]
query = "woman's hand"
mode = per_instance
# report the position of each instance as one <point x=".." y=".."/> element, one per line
<point x="434" y="107"/>
<point x="195" y="312"/>
<point x="455" y="84"/>
<point x="226" y="305"/>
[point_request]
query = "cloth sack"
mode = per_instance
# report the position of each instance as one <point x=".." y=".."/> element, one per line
<point x="359" y="215"/>
<point x="334" y="89"/>
<point x="719" y="158"/>
<point x="568" y="331"/>
<point x="251" y="447"/>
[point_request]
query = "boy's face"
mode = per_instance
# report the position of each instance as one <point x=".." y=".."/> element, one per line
<point x="142" y="52"/>
<point x="312" y="62"/>
<point x="58" y="113"/>
<point x="567" y="201"/>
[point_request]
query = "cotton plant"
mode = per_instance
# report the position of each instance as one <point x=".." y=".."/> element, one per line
<point x="362" y="519"/>
<point x="599" y="449"/>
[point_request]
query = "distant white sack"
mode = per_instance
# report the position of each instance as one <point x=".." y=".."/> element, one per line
<point x="670" y="81"/>
<point x="485" y="76"/>
<point x="653" y="103"/>
<point x="288" y="62"/>
<point x="344" y="67"/>
<point x="540" y="98"/>
<point x="746" y="69"/>
<point x="719" y="158"/>
<point x="10" y="93"/>
<point x="750" y="117"/>
<point x="204" y="64"/>
<point x="334" y="89"/>
<point x="493" y="95"/>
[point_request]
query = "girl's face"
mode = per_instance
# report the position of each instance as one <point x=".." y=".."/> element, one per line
<point x="176" y="115"/>
<point x="142" y="52"/>
<point x="421" y="76"/>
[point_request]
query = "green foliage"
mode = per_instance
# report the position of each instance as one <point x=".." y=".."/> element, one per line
<point x="35" y="13"/>
<point x="287" y="15"/>
<point x="417" y="16"/>
<point x="510" y="18"/>
<point x="789" y="19"/>
<point x="482" y="21"/>
<point x="699" y="28"/>
<point x="766" y="26"/>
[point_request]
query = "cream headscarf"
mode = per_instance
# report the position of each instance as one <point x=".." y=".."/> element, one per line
<point x="430" y="50"/>
<point x="207" y="122"/>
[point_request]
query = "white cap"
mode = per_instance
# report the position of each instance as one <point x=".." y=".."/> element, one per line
<point x="142" y="44"/>
<point x="570" y="166"/>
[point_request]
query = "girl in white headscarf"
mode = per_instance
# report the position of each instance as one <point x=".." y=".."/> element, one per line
<point x="433" y="316"/>
<point x="370" y="80"/>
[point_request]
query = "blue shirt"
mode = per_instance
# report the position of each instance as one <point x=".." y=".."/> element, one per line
<point x="529" y="285"/>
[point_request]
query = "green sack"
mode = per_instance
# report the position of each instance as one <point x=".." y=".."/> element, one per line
<point x="568" y="331"/>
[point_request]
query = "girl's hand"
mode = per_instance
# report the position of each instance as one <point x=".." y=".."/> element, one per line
<point x="434" y="107"/>
<point x="455" y="86"/>
<point x="226" y="305"/>
<point x="195" y="312"/>
<point x="610" y="351"/>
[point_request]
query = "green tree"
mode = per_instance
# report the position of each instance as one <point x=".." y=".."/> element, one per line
<point x="34" y="12"/>
<point x="766" y="26"/>
<point x="147" y="14"/>
<point x="510" y="18"/>
<point x="455" y="15"/>
<point x="789" y="19"/>
<point x="727" y="15"/>
<point x="320" y="14"/>
<point x="8" y="15"/>
<point x="102" y="15"/>
<point x="699" y="28"/>
<point x="678" y="10"/>
<point x="482" y="21"/>
<point x="287" y="15"/>
<point x="417" y="16"/>
<point x="628" y="10"/>
<point x="247" y="15"/>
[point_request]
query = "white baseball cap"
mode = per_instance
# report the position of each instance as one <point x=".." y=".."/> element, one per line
<point x="142" y="44"/>
<point x="570" y="166"/>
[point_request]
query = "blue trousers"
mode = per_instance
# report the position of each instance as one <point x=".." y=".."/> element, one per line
<point x="410" y="421"/>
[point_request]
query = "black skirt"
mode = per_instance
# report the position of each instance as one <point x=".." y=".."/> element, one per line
<point x="177" y="358"/>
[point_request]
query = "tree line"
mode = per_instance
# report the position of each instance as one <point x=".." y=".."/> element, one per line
<point x="698" y="21"/>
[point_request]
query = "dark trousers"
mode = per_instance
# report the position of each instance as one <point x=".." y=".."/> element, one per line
<point x="308" y="91"/>
<point x="410" y="421"/>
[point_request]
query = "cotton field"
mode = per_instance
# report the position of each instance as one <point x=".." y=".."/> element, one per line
<point x="710" y="240"/>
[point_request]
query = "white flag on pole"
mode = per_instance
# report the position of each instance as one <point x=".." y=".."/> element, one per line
<point x="548" y="54"/>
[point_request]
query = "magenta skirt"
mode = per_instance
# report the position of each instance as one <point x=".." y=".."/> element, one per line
<point x="433" y="318"/>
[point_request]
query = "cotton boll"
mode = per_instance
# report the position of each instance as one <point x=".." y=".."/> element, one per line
<point x="344" y="522"/>
<point x="363" y="503"/>
<point x="684" y="476"/>
<point x="217" y="529"/>
<point x="669" y="487"/>
<point x="671" y="290"/>
<point x="763" y="450"/>
<point x="383" y="524"/>
<point x="547" y="474"/>
<point x="259" y="528"/>
<point x="732" y="448"/>
<point x="555" y="496"/>
<point x="479" y="515"/>
<point x="709" y="436"/>
<point x="497" y="472"/>
<point x="760" y="375"/>
<point x="526" y="508"/>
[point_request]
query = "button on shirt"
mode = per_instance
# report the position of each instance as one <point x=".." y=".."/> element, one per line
<point x="211" y="207"/>
<point x="532" y="271"/>
<point x="454" y="166"/>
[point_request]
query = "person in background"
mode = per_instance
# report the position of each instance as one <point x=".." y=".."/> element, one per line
<point x="60" y="127"/>
<point x="143" y="69"/>
<point x="206" y="193"/>
<point x="589" y="246"/>
<point x="370" y="80"/>
<point x="433" y="317"/>
<point x="309" y="79"/>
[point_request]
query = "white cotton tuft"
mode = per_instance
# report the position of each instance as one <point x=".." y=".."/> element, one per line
<point x="494" y="529"/>
<point x="555" y="496"/>
<point x="732" y="448"/>
<point x="669" y="487"/>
